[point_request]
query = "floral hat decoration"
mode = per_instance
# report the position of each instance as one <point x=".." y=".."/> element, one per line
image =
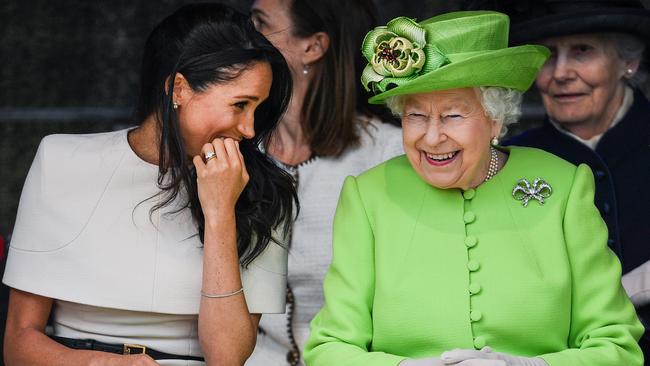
<point x="453" y="50"/>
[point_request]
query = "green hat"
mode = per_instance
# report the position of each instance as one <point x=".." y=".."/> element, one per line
<point x="454" y="50"/>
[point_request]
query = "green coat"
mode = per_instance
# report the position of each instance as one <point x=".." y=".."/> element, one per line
<point x="417" y="271"/>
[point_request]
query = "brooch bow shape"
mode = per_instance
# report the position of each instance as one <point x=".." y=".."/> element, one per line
<point x="524" y="191"/>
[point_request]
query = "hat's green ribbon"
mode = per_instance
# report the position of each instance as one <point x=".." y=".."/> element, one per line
<point x="398" y="53"/>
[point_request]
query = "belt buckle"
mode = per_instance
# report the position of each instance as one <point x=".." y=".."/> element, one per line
<point x="129" y="348"/>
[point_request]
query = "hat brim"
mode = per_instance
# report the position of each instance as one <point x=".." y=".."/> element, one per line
<point x="514" y="67"/>
<point x="633" y="21"/>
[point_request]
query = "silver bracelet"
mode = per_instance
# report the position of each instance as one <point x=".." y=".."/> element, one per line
<point x="219" y="296"/>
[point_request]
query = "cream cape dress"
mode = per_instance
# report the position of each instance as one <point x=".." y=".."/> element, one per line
<point x="84" y="236"/>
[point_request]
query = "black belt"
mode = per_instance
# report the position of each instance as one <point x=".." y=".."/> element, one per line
<point x="121" y="349"/>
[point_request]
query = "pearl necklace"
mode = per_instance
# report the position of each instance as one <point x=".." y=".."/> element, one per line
<point x="494" y="164"/>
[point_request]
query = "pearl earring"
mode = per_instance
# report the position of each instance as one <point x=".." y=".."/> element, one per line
<point x="305" y="69"/>
<point x="175" y="105"/>
<point x="630" y="71"/>
<point x="494" y="141"/>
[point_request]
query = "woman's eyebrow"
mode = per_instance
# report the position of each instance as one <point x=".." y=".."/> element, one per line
<point x="251" y="97"/>
<point x="258" y="13"/>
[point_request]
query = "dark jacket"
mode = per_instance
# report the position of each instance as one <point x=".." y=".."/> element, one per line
<point x="621" y="167"/>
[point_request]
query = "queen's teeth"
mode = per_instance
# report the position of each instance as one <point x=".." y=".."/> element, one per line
<point x="441" y="156"/>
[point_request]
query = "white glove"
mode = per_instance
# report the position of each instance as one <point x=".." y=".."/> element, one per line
<point x="439" y="362"/>
<point x="637" y="285"/>
<point x="470" y="357"/>
<point x="433" y="361"/>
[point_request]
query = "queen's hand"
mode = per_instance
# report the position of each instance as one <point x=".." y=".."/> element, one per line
<point x="485" y="357"/>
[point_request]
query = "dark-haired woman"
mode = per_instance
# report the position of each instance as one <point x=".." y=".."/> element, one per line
<point x="160" y="245"/>
<point x="328" y="133"/>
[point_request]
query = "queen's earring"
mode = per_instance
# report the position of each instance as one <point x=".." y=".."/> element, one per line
<point x="494" y="141"/>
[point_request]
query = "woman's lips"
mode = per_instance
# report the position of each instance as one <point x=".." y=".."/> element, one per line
<point x="568" y="97"/>
<point x="441" y="159"/>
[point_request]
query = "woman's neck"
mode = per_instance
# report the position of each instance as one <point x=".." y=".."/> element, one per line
<point x="484" y="174"/>
<point x="145" y="139"/>
<point x="289" y="144"/>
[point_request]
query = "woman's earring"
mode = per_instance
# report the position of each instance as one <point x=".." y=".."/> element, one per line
<point x="494" y="141"/>
<point x="175" y="105"/>
<point x="629" y="71"/>
<point x="305" y="69"/>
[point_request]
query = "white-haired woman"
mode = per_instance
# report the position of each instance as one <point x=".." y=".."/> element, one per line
<point x="463" y="252"/>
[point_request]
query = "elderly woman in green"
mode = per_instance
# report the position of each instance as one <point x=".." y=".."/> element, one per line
<point x="463" y="252"/>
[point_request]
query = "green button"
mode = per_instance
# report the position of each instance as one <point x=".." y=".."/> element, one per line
<point x="472" y="265"/>
<point x="474" y="288"/>
<point x="479" y="342"/>
<point x="469" y="217"/>
<point x="471" y="241"/>
<point x="475" y="315"/>
<point x="469" y="194"/>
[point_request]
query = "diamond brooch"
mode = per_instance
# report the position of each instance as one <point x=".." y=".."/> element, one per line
<point x="524" y="191"/>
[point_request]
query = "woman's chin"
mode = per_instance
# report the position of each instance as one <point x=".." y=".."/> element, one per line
<point x="439" y="181"/>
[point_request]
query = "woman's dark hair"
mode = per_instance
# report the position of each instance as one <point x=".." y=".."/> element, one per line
<point x="335" y="98"/>
<point x="211" y="44"/>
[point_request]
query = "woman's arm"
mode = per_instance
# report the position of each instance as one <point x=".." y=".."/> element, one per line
<point x="604" y="326"/>
<point x="341" y="333"/>
<point x="26" y="343"/>
<point x="227" y="331"/>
